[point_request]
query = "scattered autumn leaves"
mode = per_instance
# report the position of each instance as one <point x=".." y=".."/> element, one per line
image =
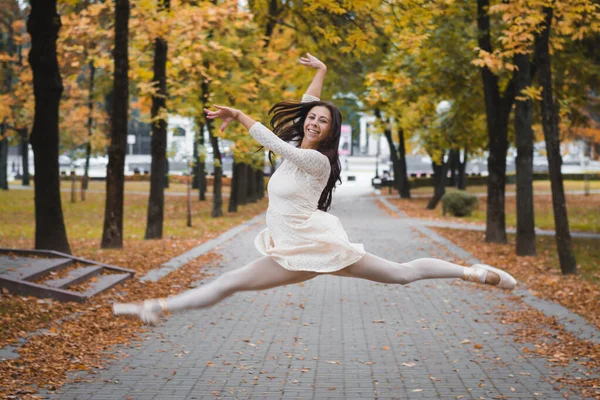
<point x="550" y="338"/>
<point x="63" y="337"/>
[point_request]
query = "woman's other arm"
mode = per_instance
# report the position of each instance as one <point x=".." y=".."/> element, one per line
<point x="310" y="160"/>
<point x="316" y="86"/>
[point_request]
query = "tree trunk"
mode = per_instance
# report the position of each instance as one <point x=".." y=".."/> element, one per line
<point x="112" y="236"/>
<point x="200" y="166"/>
<point x="252" y="196"/>
<point x="3" y="158"/>
<point x="189" y="201"/>
<point x="23" y="133"/>
<point x="242" y="185"/>
<point x="217" y="209"/>
<point x="73" y="189"/>
<point x="156" y="201"/>
<point x="43" y="25"/>
<point x="196" y="158"/>
<point x="524" y="163"/>
<point x="90" y="126"/>
<point x="568" y="264"/>
<point x="439" y="179"/>
<point x="404" y="184"/>
<point x="233" y="194"/>
<point x="387" y="132"/>
<point x="454" y="159"/>
<point x="461" y="181"/>
<point x="260" y="184"/>
<point x="6" y="46"/>
<point x="497" y="112"/>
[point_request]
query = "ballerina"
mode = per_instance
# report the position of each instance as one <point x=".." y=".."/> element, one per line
<point x="302" y="240"/>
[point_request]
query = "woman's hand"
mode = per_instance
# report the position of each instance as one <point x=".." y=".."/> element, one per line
<point x="227" y="114"/>
<point x="312" y="61"/>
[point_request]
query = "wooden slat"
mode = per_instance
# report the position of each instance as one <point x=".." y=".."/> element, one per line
<point x="76" y="276"/>
<point x="105" y="282"/>
<point x="38" y="268"/>
<point x="33" y="289"/>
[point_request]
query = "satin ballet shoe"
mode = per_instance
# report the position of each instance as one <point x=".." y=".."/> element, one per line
<point x="149" y="312"/>
<point x="478" y="273"/>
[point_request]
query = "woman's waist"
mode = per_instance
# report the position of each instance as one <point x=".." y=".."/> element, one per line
<point x="292" y="215"/>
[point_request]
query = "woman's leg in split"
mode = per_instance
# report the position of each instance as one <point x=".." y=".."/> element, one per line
<point x="260" y="274"/>
<point x="381" y="270"/>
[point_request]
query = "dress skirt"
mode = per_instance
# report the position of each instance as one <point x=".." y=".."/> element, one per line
<point x="318" y="243"/>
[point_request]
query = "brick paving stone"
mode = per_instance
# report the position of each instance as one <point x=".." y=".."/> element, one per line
<point x="367" y="340"/>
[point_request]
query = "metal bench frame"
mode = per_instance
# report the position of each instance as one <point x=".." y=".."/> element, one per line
<point x="15" y="282"/>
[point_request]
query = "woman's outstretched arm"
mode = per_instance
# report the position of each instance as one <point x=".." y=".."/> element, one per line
<point x="309" y="160"/>
<point x="315" y="87"/>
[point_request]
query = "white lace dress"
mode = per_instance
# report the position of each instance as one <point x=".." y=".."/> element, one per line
<point x="299" y="236"/>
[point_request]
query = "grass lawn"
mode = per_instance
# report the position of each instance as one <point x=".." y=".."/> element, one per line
<point x="133" y="186"/>
<point x="583" y="211"/>
<point x="84" y="220"/>
<point x="587" y="254"/>
<point x="538" y="186"/>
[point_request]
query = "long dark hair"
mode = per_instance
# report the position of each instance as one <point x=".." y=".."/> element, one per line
<point x="288" y="123"/>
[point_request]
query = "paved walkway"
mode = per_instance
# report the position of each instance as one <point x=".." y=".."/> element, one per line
<point x="334" y="337"/>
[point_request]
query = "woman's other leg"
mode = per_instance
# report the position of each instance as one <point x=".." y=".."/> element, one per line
<point x="381" y="270"/>
<point x="260" y="274"/>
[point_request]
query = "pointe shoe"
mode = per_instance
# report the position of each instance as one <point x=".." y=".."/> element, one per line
<point x="478" y="273"/>
<point x="149" y="312"/>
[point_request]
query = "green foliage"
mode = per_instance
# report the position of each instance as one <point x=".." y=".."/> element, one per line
<point x="459" y="204"/>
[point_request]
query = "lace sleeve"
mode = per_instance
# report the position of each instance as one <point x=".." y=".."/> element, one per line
<point x="308" y="98"/>
<point x="309" y="160"/>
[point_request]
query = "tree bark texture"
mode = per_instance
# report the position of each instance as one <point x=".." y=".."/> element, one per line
<point x="250" y="178"/>
<point x="233" y="193"/>
<point x="8" y="48"/>
<point x="217" y="209"/>
<point x="461" y="180"/>
<point x="112" y="235"/>
<point x="3" y="158"/>
<point x="200" y="167"/>
<point x="454" y="159"/>
<point x="23" y="133"/>
<point x="564" y="243"/>
<point x="156" y="201"/>
<point x="242" y="185"/>
<point x="497" y="112"/>
<point x="404" y="184"/>
<point x="525" y="245"/>
<point x="43" y="26"/>
<point x="387" y="132"/>
<point x="260" y="183"/>
<point x="90" y="127"/>
<point x="439" y="179"/>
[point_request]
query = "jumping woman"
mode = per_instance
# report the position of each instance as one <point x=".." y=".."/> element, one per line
<point x="302" y="239"/>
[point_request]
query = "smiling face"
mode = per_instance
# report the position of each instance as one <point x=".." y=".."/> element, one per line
<point x="317" y="126"/>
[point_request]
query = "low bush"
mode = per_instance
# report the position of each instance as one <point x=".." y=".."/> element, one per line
<point x="459" y="204"/>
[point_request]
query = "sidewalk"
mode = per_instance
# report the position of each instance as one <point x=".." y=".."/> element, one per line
<point x="335" y="337"/>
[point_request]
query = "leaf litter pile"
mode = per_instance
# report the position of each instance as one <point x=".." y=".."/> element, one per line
<point x="551" y="340"/>
<point x="75" y="337"/>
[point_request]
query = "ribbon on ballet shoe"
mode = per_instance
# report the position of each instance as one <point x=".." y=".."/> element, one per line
<point x="475" y="274"/>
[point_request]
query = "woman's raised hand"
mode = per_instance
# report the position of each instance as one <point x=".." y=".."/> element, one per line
<point x="312" y="61"/>
<point x="227" y="114"/>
